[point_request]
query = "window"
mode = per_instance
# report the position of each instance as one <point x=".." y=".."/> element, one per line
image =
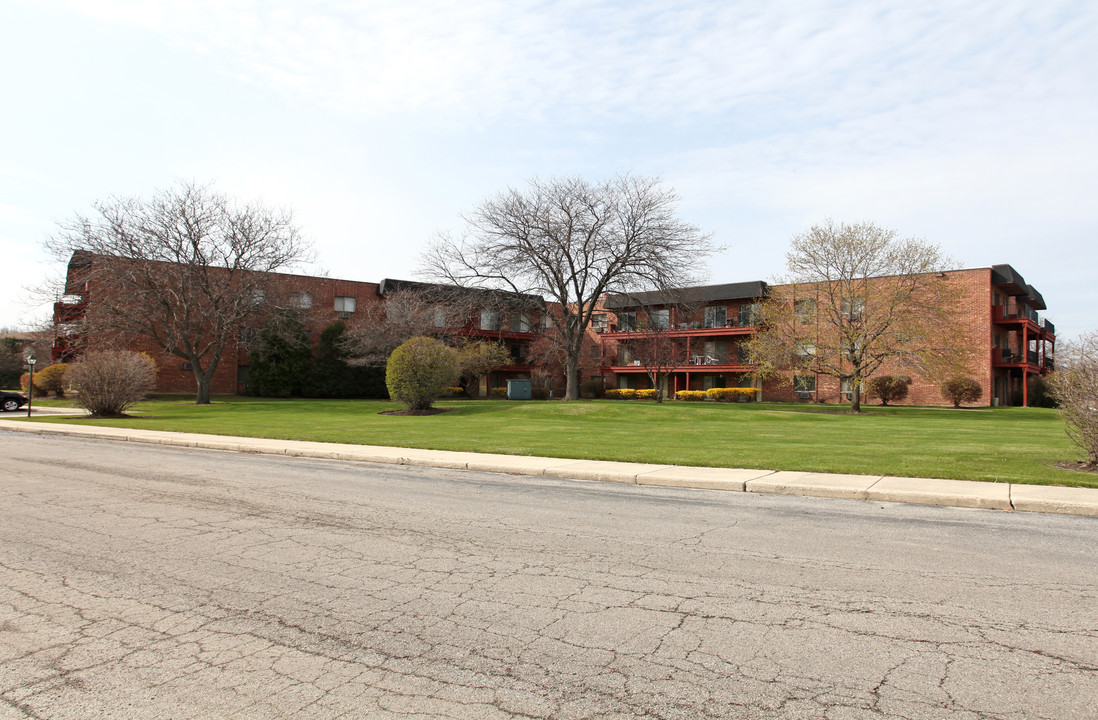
<point x="248" y="336"/>
<point x="716" y="352"/>
<point x="625" y="355"/>
<point x="805" y="310"/>
<point x="259" y="296"/>
<point x="344" y="304"/>
<point x="853" y="308"/>
<point x="716" y="316"/>
<point x="599" y="322"/>
<point x="749" y="314"/>
<point x="301" y="300"/>
<point x="846" y="388"/>
<point x="489" y="320"/>
<point x="851" y="347"/>
<point x="659" y="319"/>
<point x="438" y="317"/>
<point x="520" y="322"/>
<point x="627" y="321"/>
<point x="804" y="383"/>
<point x="805" y="349"/>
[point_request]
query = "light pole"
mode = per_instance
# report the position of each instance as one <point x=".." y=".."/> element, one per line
<point x="31" y="360"/>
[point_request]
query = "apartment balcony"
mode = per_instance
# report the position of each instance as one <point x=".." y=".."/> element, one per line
<point x="69" y="312"/>
<point x="1029" y="360"/>
<point x="1021" y="316"/>
<point x="499" y="333"/>
<point x="695" y="363"/>
<point x="691" y="329"/>
<point x="1048" y="327"/>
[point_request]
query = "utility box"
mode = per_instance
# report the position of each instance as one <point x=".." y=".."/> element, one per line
<point x="518" y="389"/>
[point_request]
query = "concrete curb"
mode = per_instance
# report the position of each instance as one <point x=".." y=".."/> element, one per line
<point x="918" y="491"/>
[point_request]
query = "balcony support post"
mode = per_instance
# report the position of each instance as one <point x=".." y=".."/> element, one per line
<point x="1025" y="366"/>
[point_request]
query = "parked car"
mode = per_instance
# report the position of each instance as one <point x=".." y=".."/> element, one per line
<point x="11" y="401"/>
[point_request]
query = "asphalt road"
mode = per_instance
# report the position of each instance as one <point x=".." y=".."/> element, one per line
<point x="140" y="581"/>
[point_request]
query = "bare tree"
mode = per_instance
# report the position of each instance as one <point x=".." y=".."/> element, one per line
<point x="420" y="310"/>
<point x="183" y="269"/>
<point x="1075" y="385"/>
<point x="571" y="240"/>
<point x="856" y="297"/>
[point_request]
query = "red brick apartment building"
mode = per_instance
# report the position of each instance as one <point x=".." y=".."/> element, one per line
<point x="998" y="313"/>
<point x="321" y="301"/>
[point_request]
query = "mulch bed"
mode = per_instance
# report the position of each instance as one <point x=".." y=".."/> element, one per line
<point x="431" y="411"/>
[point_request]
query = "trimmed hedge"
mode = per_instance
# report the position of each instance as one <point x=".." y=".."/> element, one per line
<point x="620" y="394"/>
<point x="691" y="395"/>
<point x="647" y="394"/>
<point x="732" y="394"/>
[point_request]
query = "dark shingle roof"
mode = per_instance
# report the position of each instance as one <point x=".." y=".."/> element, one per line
<point x="692" y="295"/>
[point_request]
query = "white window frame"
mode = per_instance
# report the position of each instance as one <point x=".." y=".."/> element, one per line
<point x="344" y="303"/>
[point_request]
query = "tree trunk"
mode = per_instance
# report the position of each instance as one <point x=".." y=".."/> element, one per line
<point x="202" y="380"/>
<point x="856" y="395"/>
<point x="571" y="378"/>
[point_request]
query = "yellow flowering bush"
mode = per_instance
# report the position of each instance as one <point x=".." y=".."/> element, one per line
<point x="649" y="394"/>
<point x="692" y="395"/>
<point x="732" y="394"/>
<point x="620" y="394"/>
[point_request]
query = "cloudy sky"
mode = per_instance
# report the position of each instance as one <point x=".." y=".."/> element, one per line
<point x="971" y="124"/>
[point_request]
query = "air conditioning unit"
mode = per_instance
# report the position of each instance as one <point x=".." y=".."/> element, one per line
<point x="344" y="315"/>
<point x="804" y="394"/>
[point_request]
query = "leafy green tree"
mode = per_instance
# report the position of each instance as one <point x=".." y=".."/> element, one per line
<point x="280" y="362"/>
<point x="420" y="370"/>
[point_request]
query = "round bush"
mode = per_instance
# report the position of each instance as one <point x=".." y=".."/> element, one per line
<point x="51" y="379"/>
<point x="419" y="371"/>
<point x="960" y="390"/>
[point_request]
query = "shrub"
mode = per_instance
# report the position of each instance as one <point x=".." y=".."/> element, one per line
<point x="889" y="388"/>
<point x="1041" y="393"/>
<point x="280" y="363"/>
<point x="540" y="393"/>
<point x="51" y="379"/>
<point x="691" y="395"/>
<point x="109" y="382"/>
<point x="24" y="382"/>
<point x="730" y="394"/>
<point x="499" y="393"/>
<point x="646" y="394"/>
<point x="960" y="390"/>
<point x="620" y="394"/>
<point x="419" y="371"/>
<point x="591" y="388"/>
<point x="334" y="376"/>
<point x="455" y="391"/>
<point x="1075" y="385"/>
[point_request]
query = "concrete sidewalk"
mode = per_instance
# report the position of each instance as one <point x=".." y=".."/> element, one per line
<point x="920" y="491"/>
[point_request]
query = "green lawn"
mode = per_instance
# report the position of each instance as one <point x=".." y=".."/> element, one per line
<point x="1001" y="444"/>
